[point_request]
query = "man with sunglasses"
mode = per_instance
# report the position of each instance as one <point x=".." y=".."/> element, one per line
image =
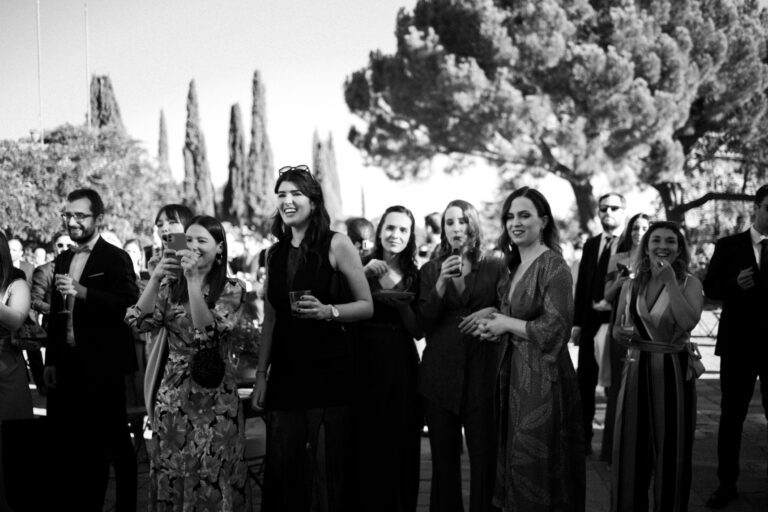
<point x="590" y="308"/>
<point x="738" y="276"/>
<point x="40" y="294"/>
<point x="90" y="349"/>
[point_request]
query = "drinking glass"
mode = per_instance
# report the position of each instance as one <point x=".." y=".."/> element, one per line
<point x="294" y="296"/>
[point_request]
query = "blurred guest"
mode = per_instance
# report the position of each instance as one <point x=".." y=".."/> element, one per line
<point x="197" y="421"/>
<point x="458" y="372"/>
<point x="388" y="414"/>
<point x="738" y="276"/>
<point x="90" y="350"/>
<point x="15" y="398"/>
<point x="656" y="410"/>
<point x="133" y="247"/>
<point x="40" y="256"/>
<point x="541" y="451"/>
<point x="620" y="268"/>
<point x="591" y="310"/>
<point x="362" y="234"/>
<point x="172" y="218"/>
<point x="432" y="236"/>
<point x="17" y="255"/>
<point x="305" y="346"/>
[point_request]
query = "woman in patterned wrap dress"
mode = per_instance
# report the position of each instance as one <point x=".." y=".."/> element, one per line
<point x="541" y="456"/>
<point x="198" y="441"/>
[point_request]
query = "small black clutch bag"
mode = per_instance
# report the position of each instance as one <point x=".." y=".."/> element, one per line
<point x="207" y="368"/>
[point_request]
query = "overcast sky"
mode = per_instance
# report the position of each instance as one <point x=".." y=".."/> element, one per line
<point x="151" y="49"/>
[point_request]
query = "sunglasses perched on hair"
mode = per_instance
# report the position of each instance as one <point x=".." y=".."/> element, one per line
<point x="604" y="209"/>
<point x="299" y="168"/>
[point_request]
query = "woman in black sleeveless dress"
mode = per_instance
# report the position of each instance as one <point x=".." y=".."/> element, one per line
<point x="308" y="351"/>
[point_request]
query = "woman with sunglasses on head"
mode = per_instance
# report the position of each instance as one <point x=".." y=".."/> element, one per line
<point x="621" y="267"/>
<point x="457" y="372"/>
<point x="541" y="449"/>
<point x="15" y="398"/>
<point x="198" y="438"/>
<point x="307" y="351"/>
<point x="656" y="411"/>
<point x="388" y="415"/>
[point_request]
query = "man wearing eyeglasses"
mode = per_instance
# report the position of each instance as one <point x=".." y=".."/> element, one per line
<point x="738" y="276"/>
<point x="590" y="308"/>
<point x="90" y="349"/>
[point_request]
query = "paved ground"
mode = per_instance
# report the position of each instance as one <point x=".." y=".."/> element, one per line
<point x="753" y="483"/>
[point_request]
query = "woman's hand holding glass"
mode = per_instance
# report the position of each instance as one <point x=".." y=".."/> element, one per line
<point x="309" y="308"/>
<point x="451" y="267"/>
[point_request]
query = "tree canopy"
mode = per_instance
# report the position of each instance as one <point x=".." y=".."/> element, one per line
<point x="569" y="87"/>
<point x="36" y="180"/>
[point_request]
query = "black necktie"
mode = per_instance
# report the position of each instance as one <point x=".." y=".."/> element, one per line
<point x="764" y="260"/>
<point x="598" y="282"/>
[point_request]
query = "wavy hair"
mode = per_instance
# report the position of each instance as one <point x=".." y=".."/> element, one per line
<point x="407" y="258"/>
<point x="474" y="235"/>
<point x="217" y="276"/>
<point x="681" y="263"/>
<point x="550" y="235"/>
<point x="625" y="245"/>
<point x="319" y="221"/>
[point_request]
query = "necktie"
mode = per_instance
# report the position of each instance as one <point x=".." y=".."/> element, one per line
<point x="598" y="282"/>
<point x="764" y="260"/>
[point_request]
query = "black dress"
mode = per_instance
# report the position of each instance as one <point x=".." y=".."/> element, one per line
<point x="388" y="416"/>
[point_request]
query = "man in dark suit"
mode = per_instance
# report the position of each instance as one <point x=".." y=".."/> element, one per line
<point x="738" y="276"/>
<point x="90" y="349"/>
<point x="590" y="308"/>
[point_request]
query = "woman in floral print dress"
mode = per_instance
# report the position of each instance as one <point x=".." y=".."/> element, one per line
<point x="197" y="448"/>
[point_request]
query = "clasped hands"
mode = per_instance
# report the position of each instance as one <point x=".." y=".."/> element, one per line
<point x="486" y="324"/>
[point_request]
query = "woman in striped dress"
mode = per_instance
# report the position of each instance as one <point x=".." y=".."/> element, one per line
<point x="656" y="412"/>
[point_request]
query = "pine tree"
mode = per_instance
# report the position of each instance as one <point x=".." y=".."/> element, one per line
<point x="574" y="88"/>
<point x="198" y="189"/>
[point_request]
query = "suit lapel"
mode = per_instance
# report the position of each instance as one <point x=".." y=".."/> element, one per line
<point x="93" y="258"/>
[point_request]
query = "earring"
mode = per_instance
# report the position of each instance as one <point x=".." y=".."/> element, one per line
<point x="219" y="257"/>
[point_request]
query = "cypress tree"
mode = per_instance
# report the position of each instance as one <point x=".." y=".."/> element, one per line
<point x="260" y="178"/>
<point x="198" y="189"/>
<point x="163" y="158"/>
<point x="105" y="111"/>
<point x="324" y="167"/>
<point x="233" y="206"/>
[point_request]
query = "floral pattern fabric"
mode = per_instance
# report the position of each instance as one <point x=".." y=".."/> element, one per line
<point x="198" y="438"/>
<point x="541" y="458"/>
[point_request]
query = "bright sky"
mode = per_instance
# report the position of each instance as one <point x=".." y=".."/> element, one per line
<point x="151" y="49"/>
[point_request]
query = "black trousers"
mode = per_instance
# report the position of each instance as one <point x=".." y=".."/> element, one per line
<point x="308" y="460"/>
<point x="87" y="410"/>
<point x="586" y="374"/>
<point x="446" y="443"/>
<point x="738" y="373"/>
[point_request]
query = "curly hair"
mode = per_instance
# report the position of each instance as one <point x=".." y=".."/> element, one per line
<point x="681" y="263"/>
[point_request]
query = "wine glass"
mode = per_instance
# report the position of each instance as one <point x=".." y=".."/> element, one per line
<point x="627" y="329"/>
<point x="64" y="308"/>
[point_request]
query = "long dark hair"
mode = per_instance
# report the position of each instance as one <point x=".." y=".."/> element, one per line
<point x="407" y="258"/>
<point x="6" y="264"/>
<point x="217" y="276"/>
<point x="319" y="221"/>
<point x="550" y="235"/>
<point x="681" y="263"/>
<point x="625" y="245"/>
<point x="474" y="235"/>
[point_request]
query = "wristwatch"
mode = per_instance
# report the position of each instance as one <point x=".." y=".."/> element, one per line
<point x="334" y="314"/>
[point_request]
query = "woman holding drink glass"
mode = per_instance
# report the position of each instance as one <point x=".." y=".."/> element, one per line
<point x="198" y="438"/>
<point x="307" y="350"/>
<point x="656" y="412"/>
<point x="458" y="371"/>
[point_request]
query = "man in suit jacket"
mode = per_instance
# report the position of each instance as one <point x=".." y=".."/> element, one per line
<point x="738" y="276"/>
<point x="90" y="349"/>
<point x="590" y="308"/>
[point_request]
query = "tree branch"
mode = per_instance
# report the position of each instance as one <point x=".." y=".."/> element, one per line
<point x="711" y="196"/>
